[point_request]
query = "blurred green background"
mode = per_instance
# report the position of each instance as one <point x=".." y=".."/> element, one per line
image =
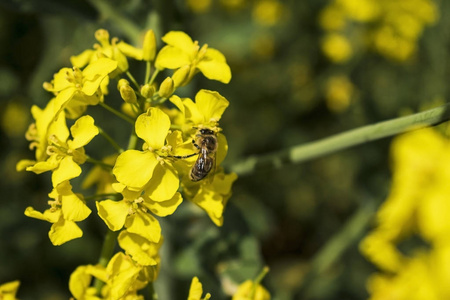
<point x="302" y="70"/>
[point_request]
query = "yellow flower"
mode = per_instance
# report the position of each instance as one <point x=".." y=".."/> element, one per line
<point x="8" y="290"/>
<point x="66" y="209"/>
<point x="339" y="91"/>
<point x="248" y="291"/>
<point x="337" y="47"/>
<point x="268" y="12"/>
<point x="133" y="212"/>
<point x="181" y="51"/>
<point x="417" y="205"/>
<point x="75" y="89"/>
<point x="122" y="277"/>
<point x="136" y="169"/>
<point x="196" y="291"/>
<point x="106" y="49"/>
<point x="65" y="155"/>
<point x="39" y="132"/>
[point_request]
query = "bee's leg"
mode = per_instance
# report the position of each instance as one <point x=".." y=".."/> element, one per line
<point x="195" y="145"/>
<point x="184" y="156"/>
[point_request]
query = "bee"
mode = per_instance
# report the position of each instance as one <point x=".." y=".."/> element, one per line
<point x="206" y="143"/>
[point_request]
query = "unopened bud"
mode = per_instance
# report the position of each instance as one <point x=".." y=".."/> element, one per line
<point x="149" y="47"/>
<point x="166" y="88"/>
<point x="180" y="76"/>
<point x="126" y="91"/>
<point x="147" y="91"/>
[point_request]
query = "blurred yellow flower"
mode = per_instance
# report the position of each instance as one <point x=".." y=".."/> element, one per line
<point x="417" y="204"/>
<point x="268" y="12"/>
<point x="199" y="6"/>
<point x="8" y="290"/>
<point x="196" y="291"/>
<point x="339" y="92"/>
<point x="14" y="118"/>
<point x="337" y="47"/>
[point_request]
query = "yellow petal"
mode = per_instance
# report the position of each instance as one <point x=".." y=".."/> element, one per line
<point x="134" y="168"/>
<point x="79" y="282"/>
<point x="196" y="289"/>
<point x="24" y="164"/>
<point x="60" y="81"/>
<point x="136" y="246"/>
<point x="130" y="50"/>
<point x="74" y="209"/>
<point x="164" y="183"/>
<point x="43" y="166"/>
<point x="64" y="231"/>
<point x="51" y="216"/>
<point x="95" y="72"/>
<point x="171" y="58"/>
<point x="113" y="213"/>
<point x="178" y="39"/>
<point x="214" y="66"/>
<point x="211" y="105"/>
<point x="153" y="127"/>
<point x="177" y="102"/>
<point x="83" y="131"/>
<point x="82" y="59"/>
<point x="68" y="169"/>
<point x="192" y="111"/>
<point x="121" y="277"/>
<point x="164" y="208"/>
<point x="145" y="225"/>
<point x="63" y="98"/>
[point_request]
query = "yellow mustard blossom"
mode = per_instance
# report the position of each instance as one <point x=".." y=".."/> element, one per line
<point x="8" y="290"/>
<point x="196" y="290"/>
<point x="133" y="212"/>
<point x="64" y="154"/>
<point x="181" y="51"/>
<point x="393" y="26"/>
<point x="252" y="289"/>
<point x="339" y="92"/>
<point x="123" y="278"/>
<point x="14" y="119"/>
<point x="268" y="12"/>
<point x="75" y="89"/>
<point x="39" y="132"/>
<point x="137" y="169"/>
<point x="106" y="49"/>
<point x="337" y="48"/>
<point x="65" y="210"/>
<point x="417" y="205"/>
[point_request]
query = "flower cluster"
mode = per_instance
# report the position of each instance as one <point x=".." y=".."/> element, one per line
<point x="410" y="242"/>
<point x="395" y="26"/>
<point x="173" y="138"/>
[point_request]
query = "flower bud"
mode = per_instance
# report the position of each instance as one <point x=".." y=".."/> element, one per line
<point x="126" y="91"/>
<point x="149" y="47"/>
<point x="180" y="76"/>
<point x="147" y="91"/>
<point x="166" y="88"/>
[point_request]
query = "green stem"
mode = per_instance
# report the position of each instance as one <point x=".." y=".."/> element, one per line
<point x="136" y="84"/>
<point x="106" y="254"/>
<point x="343" y="140"/>
<point x="110" y="140"/>
<point x="147" y="72"/>
<point x="257" y="281"/>
<point x="99" y="162"/>
<point x="117" y="113"/>
<point x="155" y="73"/>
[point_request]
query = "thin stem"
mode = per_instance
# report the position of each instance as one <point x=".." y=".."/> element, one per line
<point x="99" y="162"/>
<point x="155" y="73"/>
<point x="110" y="140"/>
<point x="117" y="113"/>
<point x="106" y="254"/>
<point x="148" y="69"/>
<point x="136" y="84"/>
<point x="343" y="140"/>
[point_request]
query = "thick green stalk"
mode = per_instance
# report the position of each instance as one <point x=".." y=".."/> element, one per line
<point x="343" y="140"/>
<point x="105" y="255"/>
